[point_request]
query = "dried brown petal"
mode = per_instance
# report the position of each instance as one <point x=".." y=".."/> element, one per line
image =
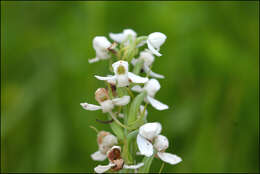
<point x="101" y="95"/>
<point x="114" y="154"/>
<point x="101" y="135"/>
<point x="119" y="163"/>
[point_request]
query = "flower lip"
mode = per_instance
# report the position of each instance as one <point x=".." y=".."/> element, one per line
<point x="169" y="158"/>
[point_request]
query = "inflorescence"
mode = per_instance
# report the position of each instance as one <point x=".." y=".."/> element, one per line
<point x="130" y="87"/>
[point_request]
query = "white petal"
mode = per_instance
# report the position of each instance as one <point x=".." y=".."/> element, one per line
<point x="121" y="37"/>
<point x="115" y="147"/>
<point x="122" y="80"/>
<point x="152" y="87"/>
<point x="107" y="105"/>
<point x="118" y="37"/>
<point x="155" y="75"/>
<point x="90" y="107"/>
<point x="137" y="88"/>
<point x="96" y="59"/>
<point x="129" y="32"/>
<point x="137" y="79"/>
<point x="137" y="166"/>
<point x="161" y="143"/>
<point x="98" y="156"/>
<point x="109" y="141"/>
<point x="154" y="51"/>
<point x="169" y="158"/>
<point x="150" y="130"/>
<point x="152" y="74"/>
<point x="144" y="146"/>
<point x="121" y="101"/>
<point x="156" y="104"/>
<point x="109" y="79"/>
<point x="148" y="57"/>
<point x="157" y="39"/>
<point x="101" y="43"/>
<point x="102" y="169"/>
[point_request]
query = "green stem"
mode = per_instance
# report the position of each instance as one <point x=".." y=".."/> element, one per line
<point x="94" y="128"/>
<point x="162" y="166"/>
<point x="117" y="121"/>
<point x="130" y="93"/>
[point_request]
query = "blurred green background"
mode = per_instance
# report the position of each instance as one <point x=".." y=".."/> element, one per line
<point x="210" y="61"/>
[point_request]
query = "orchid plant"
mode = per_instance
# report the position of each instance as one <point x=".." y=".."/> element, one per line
<point x="125" y="97"/>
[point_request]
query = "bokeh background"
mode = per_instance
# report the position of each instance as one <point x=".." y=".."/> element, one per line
<point x="210" y="61"/>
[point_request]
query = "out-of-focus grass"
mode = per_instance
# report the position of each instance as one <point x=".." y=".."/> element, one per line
<point x="210" y="61"/>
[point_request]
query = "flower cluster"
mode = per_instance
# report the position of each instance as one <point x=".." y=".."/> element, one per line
<point x="130" y="87"/>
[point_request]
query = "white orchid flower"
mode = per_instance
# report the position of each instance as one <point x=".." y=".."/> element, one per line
<point x="122" y="77"/>
<point x="149" y="138"/>
<point x="121" y="37"/>
<point x="146" y="134"/>
<point x="106" y="104"/>
<point x="154" y="42"/>
<point x="148" y="59"/>
<point x="116" y="162"/>
<point x="101" y="45"/>
<point x="105" y="141"/>
<point x="152" y="87"/>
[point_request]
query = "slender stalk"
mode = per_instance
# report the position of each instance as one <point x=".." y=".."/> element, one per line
<point x="117" y="121"/>
<point x="130" y="93"/>
<point x="94" y="128"/>
<point x="162" y="166"/>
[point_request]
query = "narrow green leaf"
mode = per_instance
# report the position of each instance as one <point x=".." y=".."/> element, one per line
<point x="135" y="106"/>
<point x="118" y="131"/>
<point x="132" y="135"/>
<point x="139" y="122"/>
<point x="147" y="163"/>
<point x="141" y="39"/>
